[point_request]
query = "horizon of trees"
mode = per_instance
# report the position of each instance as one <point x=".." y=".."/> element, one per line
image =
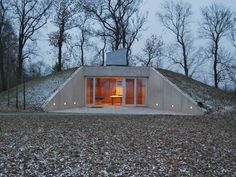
<point x="82" y="26"/>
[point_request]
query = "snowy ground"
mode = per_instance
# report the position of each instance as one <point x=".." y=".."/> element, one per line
<point x="103" y="145"/>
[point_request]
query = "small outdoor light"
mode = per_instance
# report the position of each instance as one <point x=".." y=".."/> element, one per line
<point x="64" y="103"/>
<point x="75" y="102"/>
<point x="191" y="107"/>
<point x="157" y="104"/>
<point x="54" y="104"/>
<point x="172" y="105"/>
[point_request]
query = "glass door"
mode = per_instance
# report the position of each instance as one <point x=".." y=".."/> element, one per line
<point x="105" y="91"/>
<point x="140" y="92"/>
<point x="89" y="91"/>
<point x="130" y="90"/>
<point x="116" y="91"/>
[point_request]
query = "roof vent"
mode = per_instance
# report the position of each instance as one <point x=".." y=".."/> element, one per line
<point x="117" y="58"/>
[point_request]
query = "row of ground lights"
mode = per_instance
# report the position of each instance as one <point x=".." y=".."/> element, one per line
<point x="174" y="106"/>
<point x="65" y="103"/>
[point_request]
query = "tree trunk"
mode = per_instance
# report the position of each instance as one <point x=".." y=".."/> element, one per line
<point x="117" y="43"/>
<point x="103" y="57"/>
<point x="185" y="63"/>
<point x="124" y="39"/>
<point x="103" y="52"/>
<point x="59" y="65"/>
<point x="182" y="43"/>
<point x="149" y="59"/>
<point x="215" y="73"/>
<point x="215" y="65"/>
<point x="82" y="54"/>
<point x="60" y="44"/>
<point x="3" y="79"/>
<point x="17" y="104"/>
<point x="19" y="71"/>
<point x="127" y="55"/>
<point x="8" y="80"/>
<point x="24" y="94"/>
<point x="82" y="47"/>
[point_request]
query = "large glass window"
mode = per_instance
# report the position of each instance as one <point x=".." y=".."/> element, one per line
<point x="109" y="91"/>
<point x="140" y="91"/>
<point x="129" y="96"/>
<point x="89" y="91"/>
<point x="105" y="89"/>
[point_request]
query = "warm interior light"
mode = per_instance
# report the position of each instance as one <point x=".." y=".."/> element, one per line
<point x="54" y="104"/>
<point x="172" y="105"/>
<point x="119" y="90"/>
<point x="64" y="103"/>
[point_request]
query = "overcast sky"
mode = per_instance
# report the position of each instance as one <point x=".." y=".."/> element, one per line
<point x="153" y="6"/>
<point x="152" y="26"/>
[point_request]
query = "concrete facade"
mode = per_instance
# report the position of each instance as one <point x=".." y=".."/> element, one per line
<point x="161" y="93"/>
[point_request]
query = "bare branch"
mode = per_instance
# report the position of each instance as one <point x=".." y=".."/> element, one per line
<point x="175" y="16"/>
<point x="216" y="23"/>
<point x="119" y="19"/>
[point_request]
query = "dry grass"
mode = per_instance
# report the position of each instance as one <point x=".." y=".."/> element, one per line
<point x="215" y="99"/>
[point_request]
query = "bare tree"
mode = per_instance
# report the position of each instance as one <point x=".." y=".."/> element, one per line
<point x="102" y="51"/>
<point x="176" y="17"/>
<point x="30" y="15"/>
<point x="152" y="51"/>
<point x="8" y="47"/>
<point x="225" y="65"/>
<point x="65" y="19"/>
<point x="216" y="23"/>
<point x="120" y="21"/>
<point x="3" y="10"/>
<point x="84" y="35"/>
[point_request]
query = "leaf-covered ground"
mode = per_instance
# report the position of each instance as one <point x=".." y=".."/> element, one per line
<point x="80" y="145"/>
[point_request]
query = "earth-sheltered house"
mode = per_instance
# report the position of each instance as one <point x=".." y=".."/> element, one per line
<point x="116" y="85"/>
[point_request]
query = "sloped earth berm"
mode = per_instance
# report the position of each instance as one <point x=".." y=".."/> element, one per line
<point x="39" y="90"/>
<point x="80" y="145"/>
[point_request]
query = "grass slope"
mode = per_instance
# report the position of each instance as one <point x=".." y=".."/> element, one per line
<point x="215" y="99"/>
<point x="38" y="90"/>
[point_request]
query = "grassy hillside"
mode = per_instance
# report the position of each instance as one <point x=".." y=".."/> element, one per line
<point x="215" y="99"/>
<point x="39" y="90"/>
